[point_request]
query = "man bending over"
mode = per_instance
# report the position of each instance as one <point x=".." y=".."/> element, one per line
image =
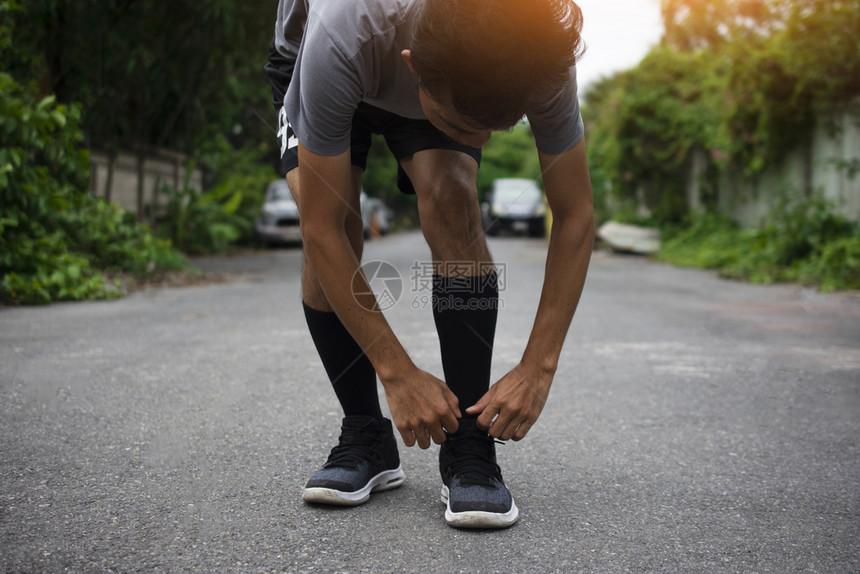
<point x="435" y="78"/>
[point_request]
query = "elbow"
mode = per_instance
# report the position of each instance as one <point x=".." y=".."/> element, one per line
<point x="315" y="238"/>
<point x="324" y="240"/>
<point x="579" y="219"/>
<point x="574" y="228"/>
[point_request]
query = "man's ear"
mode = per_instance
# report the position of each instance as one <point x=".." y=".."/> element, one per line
<point x="407" y="57"/>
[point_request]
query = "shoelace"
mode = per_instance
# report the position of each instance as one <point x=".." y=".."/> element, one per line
<point x="354" y="447"/>
<point x="471" y="458"/>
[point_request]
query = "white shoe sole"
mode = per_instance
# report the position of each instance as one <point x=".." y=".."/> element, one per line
<point x="478" y="518"/>
<point x="385" y="480"/>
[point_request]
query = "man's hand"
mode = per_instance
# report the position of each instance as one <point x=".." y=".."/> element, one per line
<point x="422" y="406"/>
<point x="512" y="405"/>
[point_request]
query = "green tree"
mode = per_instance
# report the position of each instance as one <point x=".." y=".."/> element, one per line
<point x="644" y="124"/>
<point x="148" y="72"/>
<point x="741" y="80"/>
<point x="706" y="24"/>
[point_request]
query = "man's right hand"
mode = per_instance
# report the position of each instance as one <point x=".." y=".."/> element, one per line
<point x="422" y="407"/>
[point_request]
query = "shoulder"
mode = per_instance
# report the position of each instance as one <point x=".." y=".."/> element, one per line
<point x="352" y="25"/>
<point x="555" y="119"/>
<point x="557" y="100"/>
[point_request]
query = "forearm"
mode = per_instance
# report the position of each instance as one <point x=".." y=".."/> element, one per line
<point x="329" y="254"/>
<point x="571" y="243"/>
<point x="568" y="191"/>
<point x="512" y="405"/>
<point x="327" y="184"/>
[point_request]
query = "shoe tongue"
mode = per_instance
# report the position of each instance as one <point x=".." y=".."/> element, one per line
<point x="474" y="455"/>
<point x="476" y="479"/>
<point x="469" y="427"/>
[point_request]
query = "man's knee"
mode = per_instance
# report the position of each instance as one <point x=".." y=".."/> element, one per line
<point x="450" y="217"/>
<point x="447" y="199"/>
<point x="446" y="183"/>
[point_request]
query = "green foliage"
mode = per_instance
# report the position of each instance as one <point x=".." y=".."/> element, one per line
<point x="644" y="123"/>
<point x="836" y="267"/>
<point x="697" y="24"/>
<point x="806" y="242"/>
<point x="56" y="239"/>
<point x="509" y="153"/>
<point x="242" y="176"/>
<point x="41" y="270"/>
<point x="212" y="221"/>
<point x="199" y="222"/>
<point x="706" y="240"/>
<point x="113" y="240"/>
<point x="741" y="80"/>
<point x="380" y="180"/>
<point x="380" y="177"/>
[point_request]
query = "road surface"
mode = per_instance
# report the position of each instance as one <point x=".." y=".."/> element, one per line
<point x="695" y="425"/>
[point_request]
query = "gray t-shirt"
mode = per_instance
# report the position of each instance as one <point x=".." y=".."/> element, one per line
<point x="348" y="51"/>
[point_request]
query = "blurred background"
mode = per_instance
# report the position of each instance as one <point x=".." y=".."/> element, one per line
<point x="134" y="133"/>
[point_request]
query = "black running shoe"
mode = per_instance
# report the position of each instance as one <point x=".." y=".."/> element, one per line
<point x="473" y="489"/>
<point x="364" y="461"/>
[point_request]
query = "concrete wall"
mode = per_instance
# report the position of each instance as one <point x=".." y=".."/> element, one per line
<point x="137" y="179"/>
<point x="812" y="168"/>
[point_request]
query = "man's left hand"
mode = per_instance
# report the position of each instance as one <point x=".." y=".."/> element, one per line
<point x="513" y="404"/>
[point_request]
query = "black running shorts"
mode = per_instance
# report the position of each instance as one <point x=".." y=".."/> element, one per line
<point x="403" y="136"/>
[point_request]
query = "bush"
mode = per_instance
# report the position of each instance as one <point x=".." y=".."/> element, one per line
<point x="836" y="267"/>
<point x="807" y="243"/>
<point x="643" y="125"/>
<point x="55" y="238"/>
<point x="213" y="221"/>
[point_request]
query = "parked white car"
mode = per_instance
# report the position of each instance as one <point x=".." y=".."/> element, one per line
<point x="278" y="221"/>
<point x="514" y="205"/>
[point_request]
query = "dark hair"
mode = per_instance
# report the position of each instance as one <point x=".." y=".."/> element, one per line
<point x="490" y="59"/>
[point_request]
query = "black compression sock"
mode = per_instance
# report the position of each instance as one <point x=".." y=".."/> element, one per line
<point x="351" y="374"/>
<point x="465" y="311"/>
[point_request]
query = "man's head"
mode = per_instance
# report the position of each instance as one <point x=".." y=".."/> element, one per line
<point x="487" y="60"/>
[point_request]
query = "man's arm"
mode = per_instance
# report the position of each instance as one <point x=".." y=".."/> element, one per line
<point x="421" y="404"/>
<point x="519" y="397"/>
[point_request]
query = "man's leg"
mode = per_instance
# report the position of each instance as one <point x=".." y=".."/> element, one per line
<point x="465" y="294"/>
<point x="366" y="458"/>
<point x="465" y="307"/>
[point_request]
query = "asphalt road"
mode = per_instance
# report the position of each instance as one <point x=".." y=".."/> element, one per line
<point x="695" y="425"/>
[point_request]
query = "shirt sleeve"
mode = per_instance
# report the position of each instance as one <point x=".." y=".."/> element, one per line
<point x="324" y="93"/>
<point x="556" y="121"/>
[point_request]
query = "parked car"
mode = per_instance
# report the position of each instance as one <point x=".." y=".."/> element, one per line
<point x="278" y="221"/>
<point x="515" y="205"/>
<point x="375" y="215"/>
